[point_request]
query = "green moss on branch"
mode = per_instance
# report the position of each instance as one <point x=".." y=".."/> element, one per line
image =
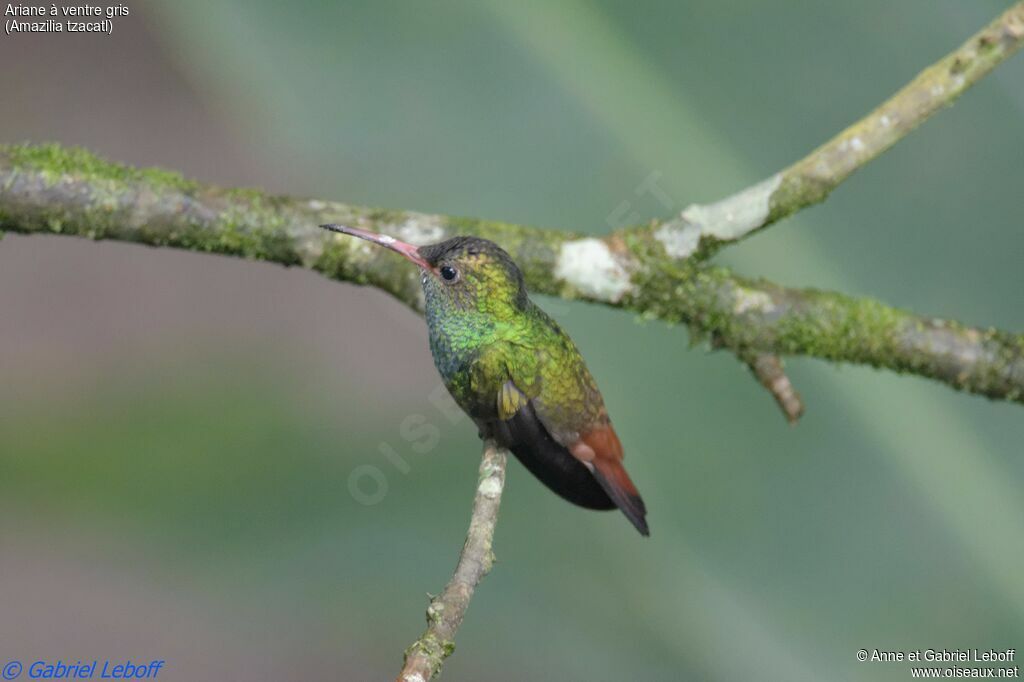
<point x="55" y="162"/>
<point x="44" y="191"/>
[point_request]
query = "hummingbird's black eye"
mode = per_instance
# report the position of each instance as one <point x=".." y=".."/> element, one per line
<point x="449" y="273"/>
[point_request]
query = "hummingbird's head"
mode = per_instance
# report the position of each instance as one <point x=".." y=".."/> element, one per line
<point x="459" y="275"/>
<point x="469" y="274"/>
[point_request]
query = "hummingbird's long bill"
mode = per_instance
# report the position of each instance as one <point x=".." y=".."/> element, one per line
<point x="408" y="250"/>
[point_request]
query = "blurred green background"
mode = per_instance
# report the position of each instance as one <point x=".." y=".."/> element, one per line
<point x="179" y="432"/>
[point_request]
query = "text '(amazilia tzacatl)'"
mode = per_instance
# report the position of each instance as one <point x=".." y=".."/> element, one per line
<point x="516" y="373"/>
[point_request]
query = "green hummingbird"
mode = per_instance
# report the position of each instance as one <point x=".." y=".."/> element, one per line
<point x="514" y="371"/>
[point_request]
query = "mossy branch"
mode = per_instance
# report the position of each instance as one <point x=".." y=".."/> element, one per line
<point x="51" y="190"/>
<point x="424" y="657"/>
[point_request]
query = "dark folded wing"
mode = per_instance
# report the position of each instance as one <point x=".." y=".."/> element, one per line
<point x="523" y="433"/>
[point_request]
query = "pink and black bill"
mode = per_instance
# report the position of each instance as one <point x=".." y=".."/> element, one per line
<point x="408" y="250"/>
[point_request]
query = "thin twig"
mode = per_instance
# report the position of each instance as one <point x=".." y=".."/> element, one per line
<point x="703" y="228"/>
<point x="444" y="615"/>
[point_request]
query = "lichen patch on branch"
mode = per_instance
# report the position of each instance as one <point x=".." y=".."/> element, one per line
<point x="589" y="267"/>
<point x="727" y="220"/>
<point x="421" y="229"/>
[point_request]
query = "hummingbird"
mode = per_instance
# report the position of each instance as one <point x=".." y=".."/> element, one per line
<point x="513" y="370"/>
